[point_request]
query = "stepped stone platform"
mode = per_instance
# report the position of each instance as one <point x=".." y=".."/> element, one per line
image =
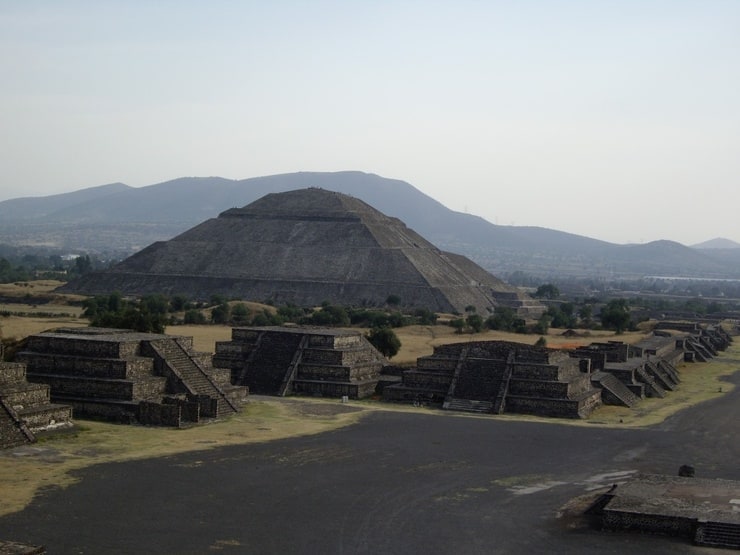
<point x="26" y="408"/>
<point x="706" y="511"/>
<point x="628" y="373"/>
<point x="126" y="376"/>
<point x="301" y="361"/>
<point x="498" y="377"/>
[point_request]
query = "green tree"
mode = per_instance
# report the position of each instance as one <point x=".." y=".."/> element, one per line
<point x="239" y="313"/>
<point x="542" y="325"/>
<point x="458" y="324"/>
<point x="385" y="340"/>
<point x="547" y="291"/>
<point x="194" y="316"/>
<point x="616" y="315"/>
<point x="393" y="300"/>
<point x="502" y="319"/>
<point x="221" y="313"/>
<point x="475" y="323"/>
<point x="83" y="265"/>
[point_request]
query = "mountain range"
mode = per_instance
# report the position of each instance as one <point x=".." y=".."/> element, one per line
<point x="117" y="220"/>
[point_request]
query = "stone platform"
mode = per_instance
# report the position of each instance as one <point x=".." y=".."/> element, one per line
<point x="703" y="510"/>
<point x="301" y="360"/>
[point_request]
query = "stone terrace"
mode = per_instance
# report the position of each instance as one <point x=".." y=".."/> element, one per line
<point x="25" y="408"/>
<point x="497" y="377"/>
<point x="303" y="361"/>
<point x="125" y="376"/>
<point x="701" y="510"/>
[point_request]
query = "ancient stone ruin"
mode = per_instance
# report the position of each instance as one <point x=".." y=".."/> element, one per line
<point x="126" y="376"/>
<point x="497" y="377"/>
<point x="303" y="361"/>
<point x="26" y="408"/>
<point x="697" y="509"/>
<point x="305" y="247"/>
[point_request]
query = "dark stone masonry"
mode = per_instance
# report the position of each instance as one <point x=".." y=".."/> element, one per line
<point x="25" y="407"/>
<point x="126" y="376"/>
<point x="301" y="361"/>
<point x="702" y="510"/>
<point x="497" y="377"/>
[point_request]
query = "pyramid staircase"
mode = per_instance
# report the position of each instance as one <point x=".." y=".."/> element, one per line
<point x="718" y="534"/>
<point x="652" y="388"/>
<point x="176" y="361"/>
<point x="660" y="376"/>
<point x="290" y="375"/>
<point x="615" y="389"/>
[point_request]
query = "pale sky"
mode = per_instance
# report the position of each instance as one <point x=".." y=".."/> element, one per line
<point x="618" y="120"/>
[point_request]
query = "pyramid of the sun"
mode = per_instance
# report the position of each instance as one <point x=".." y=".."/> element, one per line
<point x="306" y="247"/>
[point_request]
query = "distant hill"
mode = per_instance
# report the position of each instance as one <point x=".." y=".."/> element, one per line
<point x="718" y="243"/>
<point x="117" y="219"/>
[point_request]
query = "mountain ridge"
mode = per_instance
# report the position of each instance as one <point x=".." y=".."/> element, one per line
<point x="120" y="218"/>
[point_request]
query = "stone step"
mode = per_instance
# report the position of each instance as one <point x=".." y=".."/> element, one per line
<point x="11" y="373"/>
<point x="46" y="417"/>
<point x="610" y="383"/>
<point x="468" y="405"/>
<point x="718" y="534"/>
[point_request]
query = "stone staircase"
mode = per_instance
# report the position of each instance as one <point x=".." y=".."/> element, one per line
<point x="499" y="403"/>
<point x="290" y="375"/>
<point x="652" y="389"/>
<point x="718" y="534"/>
<point x="660" y="376"/>
<point x="270" y="362"/>
<point x="30" y="402"/>
<point x="455" y="377"/>
<point x="614" y="388"/>
<point x="13" y="432"/>
<point x="468" y="405"/>
<point x="192" y="375"/>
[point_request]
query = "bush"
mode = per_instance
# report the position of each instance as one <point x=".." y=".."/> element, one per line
<point x="385" y="340"/>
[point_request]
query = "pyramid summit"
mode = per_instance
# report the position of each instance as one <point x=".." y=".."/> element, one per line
<point x="305" y="247"/>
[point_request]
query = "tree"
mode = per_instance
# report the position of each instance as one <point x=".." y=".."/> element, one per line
<point x="239" y="313"/>
<point x="194" y="316"/>
<point x="542" y="325"/>
<point x="393" y="300"/>
<point x="475" y="323"/>
<point x="221" y="313"/>
<point x="502" y="319"/>
<point x="547" y="291"/>
<point x="83" y="265"/>
<point x="385" y="340"/>
<point x="616" y="315"/>
<point x="458" y="324"/>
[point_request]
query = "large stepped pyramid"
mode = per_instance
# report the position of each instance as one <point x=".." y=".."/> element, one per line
<point x="126" y="376"/>
<point x="305" y="247"/>
<point x="301" y="361"/>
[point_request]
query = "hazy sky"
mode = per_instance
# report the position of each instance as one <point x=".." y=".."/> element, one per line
<point x="619" y="120"/>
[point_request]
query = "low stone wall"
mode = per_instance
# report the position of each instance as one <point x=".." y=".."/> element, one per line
<point x="549" y="389"/>
<point x="558" y="408"/>
<point x="158" y="414"/>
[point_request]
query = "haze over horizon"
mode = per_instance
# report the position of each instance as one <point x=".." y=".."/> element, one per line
<point x="616" y="121"/>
